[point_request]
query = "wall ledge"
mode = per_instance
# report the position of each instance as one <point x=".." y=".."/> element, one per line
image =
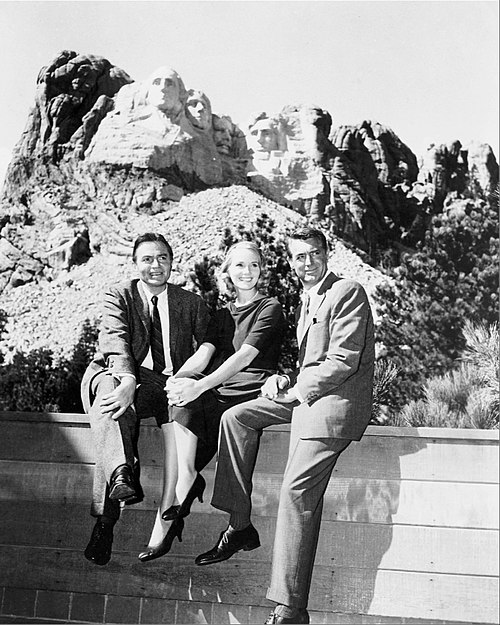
<point x="76" y="419"/>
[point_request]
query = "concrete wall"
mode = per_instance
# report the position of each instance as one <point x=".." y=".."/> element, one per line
<point x="410" y="532"/>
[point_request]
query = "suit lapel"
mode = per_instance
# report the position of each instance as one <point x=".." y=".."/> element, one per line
<point x="318" y="302"/>
<point x="174" y="314"/>
<point x="142" y="306"/>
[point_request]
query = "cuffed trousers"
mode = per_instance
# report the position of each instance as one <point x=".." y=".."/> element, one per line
<point x="308" y="471"/>
<point x="115" y="441"/>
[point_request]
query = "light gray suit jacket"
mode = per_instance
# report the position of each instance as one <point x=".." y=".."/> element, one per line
<point x="124" y="335"/>
<point x="336" y="362"/>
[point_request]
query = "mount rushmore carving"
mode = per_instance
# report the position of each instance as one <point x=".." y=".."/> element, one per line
<point x="96" y="136"/>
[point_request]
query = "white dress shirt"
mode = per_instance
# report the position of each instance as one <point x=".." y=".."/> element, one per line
<point x="165" y="328"/>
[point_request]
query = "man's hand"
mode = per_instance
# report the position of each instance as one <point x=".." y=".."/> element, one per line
<point x="273" y="386"/>
<point x="115" y="403"/>
<point x="182" y="391"/>
<point x="286" y="397"/>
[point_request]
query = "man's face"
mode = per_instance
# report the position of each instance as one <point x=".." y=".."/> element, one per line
<point x="154" y="265"/>
<point x="309" y="261"/>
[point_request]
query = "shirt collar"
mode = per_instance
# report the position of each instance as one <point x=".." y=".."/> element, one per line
<point x="148" y="294"/>
<point x="314" y="290"/>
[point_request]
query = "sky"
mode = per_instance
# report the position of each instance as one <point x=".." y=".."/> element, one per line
<point x="427" y="69"/>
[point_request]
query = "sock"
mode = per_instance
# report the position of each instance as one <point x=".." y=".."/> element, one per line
<point x="238" y="521"/>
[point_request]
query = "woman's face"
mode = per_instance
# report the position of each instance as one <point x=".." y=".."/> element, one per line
<point x="244" y="269"/>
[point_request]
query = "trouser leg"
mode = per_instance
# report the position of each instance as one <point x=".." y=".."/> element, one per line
<point x="241" y="427"/>
<point x="308" y="471"/>
<point x="114" y="443"/>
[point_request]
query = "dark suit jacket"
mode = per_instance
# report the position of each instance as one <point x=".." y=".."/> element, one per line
<point x="124" y="334"/>
<point x="336" y="362"/>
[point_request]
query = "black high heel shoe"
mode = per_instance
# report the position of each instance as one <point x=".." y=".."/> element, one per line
<point x="166" y="544"/>
<point x="179" y="512"/>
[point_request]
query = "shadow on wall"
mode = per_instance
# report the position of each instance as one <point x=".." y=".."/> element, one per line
<point x="361" y="502"/>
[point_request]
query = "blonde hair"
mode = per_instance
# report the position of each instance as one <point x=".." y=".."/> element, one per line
<point x="225" y="282"/>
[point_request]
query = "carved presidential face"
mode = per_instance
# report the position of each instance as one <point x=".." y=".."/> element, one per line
<point x="198" y="110"/>
<point x="222" y="134"/>
<point x="263" y="136"/>
<point x="164" y="89"/>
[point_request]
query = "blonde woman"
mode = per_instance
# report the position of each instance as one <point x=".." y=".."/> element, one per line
<point x="241" y="350"/>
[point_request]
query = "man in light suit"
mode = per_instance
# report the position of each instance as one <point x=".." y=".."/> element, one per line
<point x="149" y="329"/>
<point x="328" y="401"/>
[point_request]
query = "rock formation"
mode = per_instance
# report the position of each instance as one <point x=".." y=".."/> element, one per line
<point x="154" y="126"/>
<point x="351" y="176"/>
<point x="67" y="89"/>
<point x="100" y="148"/>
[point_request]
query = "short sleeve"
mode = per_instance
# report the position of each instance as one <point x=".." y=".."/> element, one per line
<point x="267" y="327"/>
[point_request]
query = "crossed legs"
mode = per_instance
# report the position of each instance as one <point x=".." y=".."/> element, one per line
<point x="114" y="444"/>
<point x="241" y="428"/>
<point x="308" y="471"/>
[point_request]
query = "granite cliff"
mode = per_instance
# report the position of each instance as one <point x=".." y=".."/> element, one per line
<point x="104" y="157"/>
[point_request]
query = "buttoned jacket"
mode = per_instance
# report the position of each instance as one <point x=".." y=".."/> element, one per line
<point x="335" y="363"/>
<point x="124" y="337"/>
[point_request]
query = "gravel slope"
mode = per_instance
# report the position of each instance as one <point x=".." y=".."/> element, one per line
<point x="51" y="313"/>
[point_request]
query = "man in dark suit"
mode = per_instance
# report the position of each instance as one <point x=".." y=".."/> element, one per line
<point x="149" y="329"/>
<point x="328" y="402"/>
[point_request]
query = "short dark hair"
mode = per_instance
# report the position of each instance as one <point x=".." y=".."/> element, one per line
<point x="309" y="233"/>
<point x="148" y="237"/>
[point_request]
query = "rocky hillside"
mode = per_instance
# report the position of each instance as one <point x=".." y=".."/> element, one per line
<point x="50" y="312"/>
<point x="104" y="158"/>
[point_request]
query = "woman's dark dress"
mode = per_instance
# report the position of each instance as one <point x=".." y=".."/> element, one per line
<point x="259" y="323"/>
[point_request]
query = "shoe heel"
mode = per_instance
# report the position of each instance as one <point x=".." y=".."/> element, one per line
<point x="251" y="546"/>
<point x="180" y="528"/>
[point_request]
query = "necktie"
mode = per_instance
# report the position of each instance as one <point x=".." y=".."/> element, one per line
<point x="157" y="351"/>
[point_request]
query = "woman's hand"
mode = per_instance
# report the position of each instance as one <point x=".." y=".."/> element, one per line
<point x="182" y="391"/>
<point x="116" y="402"/>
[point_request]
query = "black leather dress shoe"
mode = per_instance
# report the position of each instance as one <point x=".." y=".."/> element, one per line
<point x="121" y="484"/>
<point x="229" y="543"/>
<point x="300" y="616"/>
<point x="98" y="550"/>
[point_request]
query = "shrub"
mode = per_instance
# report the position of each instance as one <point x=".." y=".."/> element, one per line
<point x="35" y="382"/>
<point x="31" y="383"/>
<point x="384" y="376"/>
<point x="467" y="397"/>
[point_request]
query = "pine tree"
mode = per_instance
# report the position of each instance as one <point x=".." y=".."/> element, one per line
<point x="451" y="278"/>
